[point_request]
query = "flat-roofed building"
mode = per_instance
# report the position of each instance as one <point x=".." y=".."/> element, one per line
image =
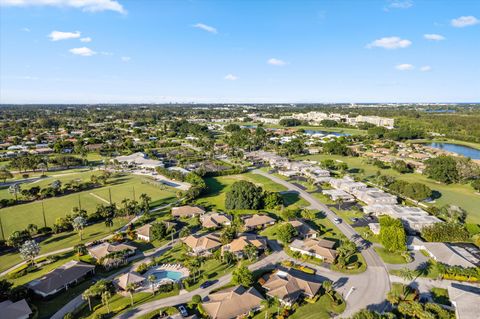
<point x="374" y="196"/>
<point x="466" y="300"/>
<point x="139" y="159"/>
<point x="338" y="194"/>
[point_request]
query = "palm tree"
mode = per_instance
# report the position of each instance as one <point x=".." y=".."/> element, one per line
<point x="109" y="223"/>
<point x="267" y="303"/>
<point x="130" y="289"/>
<point x="78" y="224"/>
<point x="145" y="199"/>
<point x="14" y="189"/>
<point x="408" y="275"/>
<point x="152" y="279"/>
<point x="86" y="295"/>
<point x="106" y="295"/>
<point x="328" y="288"/>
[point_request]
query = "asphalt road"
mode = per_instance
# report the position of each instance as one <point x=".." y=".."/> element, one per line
<point x="365" y="290"/>
<point x="368" y="289"/>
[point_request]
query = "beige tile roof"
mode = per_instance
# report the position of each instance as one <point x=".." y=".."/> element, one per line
<point x="59" y="277"/>
<point x="239" y="243"/>
<point x="302" y="228"/>
<point x="186" y="211"/>
<point x="258" y="220"/>
<point x="129" y="278"/>
<point x="205" y="242"/>
<point x="320" y="247"/>
<point x="102" y="250"/>
<point x="232" y="302"/>
<point x="14" y="310"/>
<point x="144" y="230"/>
<point x="214" y="220"/>
<point x="289" y="285"/>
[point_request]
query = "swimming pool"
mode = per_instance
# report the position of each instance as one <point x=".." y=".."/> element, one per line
<point x="168" y="275"/>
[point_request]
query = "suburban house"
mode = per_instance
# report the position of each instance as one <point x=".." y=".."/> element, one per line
<point x="187" y="211"/>
<point x="215" y="220"/>
<point x="61" y="278"/>
<point x="238" y="244"/>
<point x="443" y="253"/>
<point x="288" y="286"/>
<point x="303" y="229"/>
<point x="130" y="278"/>
<point x="234" y="302"/>
<point x="258" y="221"/>
<point x="143" y="232"/>
<point x="319" y="248"/>
<point x="465" y="300"/>
<point x="15" y="310"/>
<point x="202" y="244"/>
<point x="103" y="250"/>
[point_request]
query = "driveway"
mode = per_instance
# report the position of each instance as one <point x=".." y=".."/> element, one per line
<point x="368" y="289"/>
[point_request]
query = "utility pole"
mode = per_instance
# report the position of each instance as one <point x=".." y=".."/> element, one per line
<point x="1" y="228"/>
<point x="79" y="202"/>
<point x="43" y="213"/>
<point x="110" y="195"/>
<point x="134" y="193"/>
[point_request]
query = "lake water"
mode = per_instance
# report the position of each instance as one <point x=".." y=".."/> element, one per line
<point x="459" y="149"/>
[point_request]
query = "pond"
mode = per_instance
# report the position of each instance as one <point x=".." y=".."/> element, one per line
<point x="455" y="148"/>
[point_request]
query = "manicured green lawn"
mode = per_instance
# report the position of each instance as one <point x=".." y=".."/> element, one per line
<point x="318" y="310"/>
<point x="461" y="195"/>
<point x="18" y="217"/>
<point x="63" y="240"/>
<point x="219" y="186"/>
<point x="440" y="295"/>
<point x="388" y="257"/>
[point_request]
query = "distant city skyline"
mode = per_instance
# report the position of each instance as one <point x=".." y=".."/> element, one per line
<point x="118" y="51"/>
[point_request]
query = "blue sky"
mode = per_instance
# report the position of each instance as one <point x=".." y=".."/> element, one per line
<point x="93" y="51"/>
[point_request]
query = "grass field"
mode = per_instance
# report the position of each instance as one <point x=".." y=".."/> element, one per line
<point x="461" y="195"/>
<point x="388" y="257"/>
<point x="219" y="186"/>
<point x="321" y="309"/>
<point x="19" y="216"/>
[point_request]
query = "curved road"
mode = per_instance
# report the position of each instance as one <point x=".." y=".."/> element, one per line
<point x="365" y="290"/>
<point x="369" y="288"/>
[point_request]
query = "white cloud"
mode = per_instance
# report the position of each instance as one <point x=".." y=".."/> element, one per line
<point x="464" y="21"/>
<point x="434" y="37"/>
<point x="231" y="77"/>
<point x="86" y="39"/>
<point x="26" y="29"/>
<point x="205" y="28"/>
<point x="83" y="51"/>
<point x="398" y="4"/>
<point x="125" y="58"/>
<point x="390" y="43"/>
<point x="84" y="5"/>
<point x="425" y="68"/>
<point x="404" y="67"/>
<point x="59" y="35"/>
<point x="277" y="62"/>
